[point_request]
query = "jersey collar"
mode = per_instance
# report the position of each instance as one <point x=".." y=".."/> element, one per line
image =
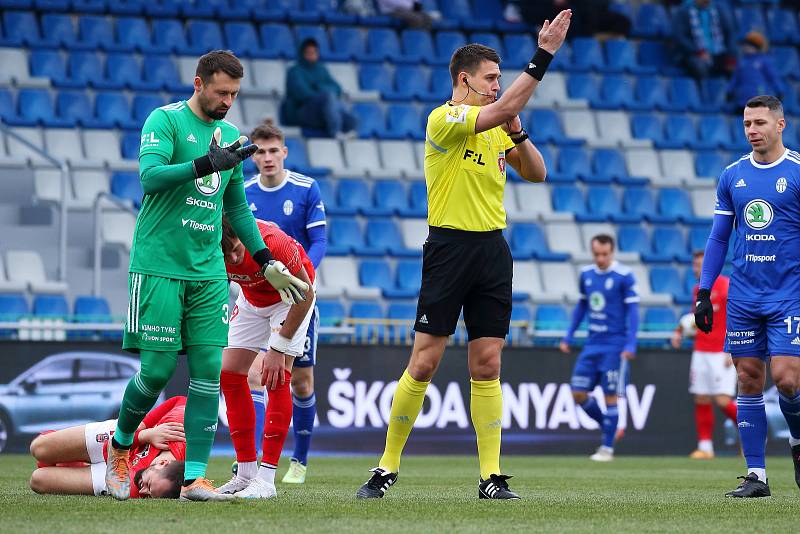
<point x="277" y="187"/>
<point x="610" y="268"/>
<point x="778" y="161"/>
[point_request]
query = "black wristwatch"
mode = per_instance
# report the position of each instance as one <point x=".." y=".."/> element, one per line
<point x="518" y="137"/>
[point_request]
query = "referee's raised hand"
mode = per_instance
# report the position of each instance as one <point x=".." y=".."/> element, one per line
<point x="552" y="34"/>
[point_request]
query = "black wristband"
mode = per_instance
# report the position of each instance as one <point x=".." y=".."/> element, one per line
<point x="539" y="63"/>
<point x="202" y="166"/>
<point x="263" y="257"/>
<point x="703" y="293"/>
<point x="519" y="137"/>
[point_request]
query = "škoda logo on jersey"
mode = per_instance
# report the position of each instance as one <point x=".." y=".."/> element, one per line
<point x="208" y="185"/>
<point x="758" y="214"/>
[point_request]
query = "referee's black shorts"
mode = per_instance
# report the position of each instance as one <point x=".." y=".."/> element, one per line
<point x="472" y="270"/>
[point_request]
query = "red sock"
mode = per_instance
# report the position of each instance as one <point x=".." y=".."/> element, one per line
<point x="241" y="415"/>
<point x="276" y="421"/>
<point x="730" y="410"/>
<point x="704" y="421"/>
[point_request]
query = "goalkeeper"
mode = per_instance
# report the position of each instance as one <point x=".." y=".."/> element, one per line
<point x="190" y="167"/>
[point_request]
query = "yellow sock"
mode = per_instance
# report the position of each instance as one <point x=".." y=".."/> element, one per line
<point x="486" y="407"/>
<point x="406" y="405"/>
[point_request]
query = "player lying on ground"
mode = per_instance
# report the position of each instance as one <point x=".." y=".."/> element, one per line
<point x="711" y="374"/>
<point x="758" y="198"/>
<point x="72" y="461"/>
<point x="262" y="323"/>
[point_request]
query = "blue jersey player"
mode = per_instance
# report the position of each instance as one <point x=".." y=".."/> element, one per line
<point x="758" y="198"/>
<point x="609" y="297"/>
<point x="292" y="201"/>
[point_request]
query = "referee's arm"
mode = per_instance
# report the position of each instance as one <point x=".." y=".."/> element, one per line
<point x="527" y="161"/>
<point x="551" y="37"/>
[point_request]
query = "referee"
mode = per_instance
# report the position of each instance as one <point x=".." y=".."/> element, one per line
<point x="466" y="262"/>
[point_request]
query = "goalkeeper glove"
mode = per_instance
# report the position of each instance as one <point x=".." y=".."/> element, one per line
<point x="291" y="289"/>
<point x="704" y="311"/>
<point x="222" y="159"/>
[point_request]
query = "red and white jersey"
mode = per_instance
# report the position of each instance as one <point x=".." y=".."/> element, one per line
<point x="142" y="455"/>
<point x="255" y="287"/>
<point x="714" y="341"/>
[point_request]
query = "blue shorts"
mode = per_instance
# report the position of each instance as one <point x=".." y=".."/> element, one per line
<point x="602" y="365"/>
<point x="763" y="329"/>
<point x="309" y="356"/>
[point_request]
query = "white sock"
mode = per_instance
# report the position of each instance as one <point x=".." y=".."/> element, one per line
<point x="760" y="473"/>
<point x="794" y="442"/>
<point x="706" y="445"/>
<point x="247" y="470"/>
<point x="267" y="473"/>
<point x="609" y="450"/>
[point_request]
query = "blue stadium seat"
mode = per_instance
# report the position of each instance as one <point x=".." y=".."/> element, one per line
<point x="129" y="145"/>
<point x="410" y="82"/>
<point x="709" y="163"/>
<point x="714" y="92"/>
<point x="143" y="105"/>
<point x="674" y="202"/>
<point x="714" y="133"/>
<point x="634" y="238"/>
<point x="20" y="29"/>
<point x="586" y="55"/>
<point x="124" y="70"/>
<point x="544" y="126"/>
<point x="8" y="112"/>
<point x="190" y="10"/>
<point x="669" y="243"/>
<point x="698" y="237"/>
<point x="638" y="202"/>
<point x="456" y="9"/>
<point x="417" y="201"/>
<point x="390" y="195"/>
<point x="417" y="46"/>
<point x="664" y="279"/>
<point x="649" y="93"/>
<point x="607" y="164"/>
<point x="679" y="130"/>
<point x="375" y="77"/>
<point x="96" y="33"/>
<point x="126" y="7"/>
<point x="573" y="163"/>
<point x="59" y="31"/>
<point x="50" y="306"/>
<point x="488" y="39"/>
<point x="409" y="274"/>
<point x="278" y="41"/>
<point x="111" y="110"/>
<point x="85" y="68"/>
<point x="35" y="107"/>
<point x="203" y="36"/>
<point x="655" y="54"/>
<point x="331" y="312"/>
<point x="739" y="144"/>
<point x="168" y="33"/>
<point x="551" y="317"/>
<point x="127" y="186"/>
<point x="318" y="33"/>
<point x="133" y="33"/>
<point x="518" y="47"/>
<point x="171" y="9"/>
<point x="13" y="307"/>
<point x="568" y="198"/>
<point x="49" y="64"/>
<point x="616" y="92"/>
<point x="750" y="18"/>
<point x="441" y="86"/>
<point x="371" y="122"/>
<point x="371" y="332"/>
<point x="74" y="106"/>
<point x="242" y="39"/>
<point x="382" y="45"/>
<point x="161" y="71"/>
<point x="659" y="319"/>
<point x="583" y="85"/>
<point x="383" y="234"/>
<point x="527" y="241"/>
<point x="604" y="205"/>
<point x="328" y="195"/>
<point x="683" y="95"/>
<point x="348" y="44"/>
<point x="344" y="234"/>
<point x="651" y="21"/>
<point x="519" y="313"/>
<point x="621" y="56"/>
<point x="401" y="311"/>
<point x="354" y="194"/>
<point x="404" y="119"/>
<point x="297" y="159"/>
<point x="376" y="273"/>
<point x="782" y="27"/>
<point x="787" y="61"/>
<point x="447" y="42"/>
<point x="648" y="126"/>
<point x="91" y="310"/>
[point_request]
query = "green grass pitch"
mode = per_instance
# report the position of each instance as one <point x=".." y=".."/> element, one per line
<point x="439" y="494"/>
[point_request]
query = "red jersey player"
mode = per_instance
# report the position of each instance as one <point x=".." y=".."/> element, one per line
<point x="72" y="461"/>
<point x="261" y="322"/>
<point x="712" y="375"/>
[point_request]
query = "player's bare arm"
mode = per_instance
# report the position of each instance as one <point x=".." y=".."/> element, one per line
<point x="524" y="157"/>
<point x="506" y="109"/>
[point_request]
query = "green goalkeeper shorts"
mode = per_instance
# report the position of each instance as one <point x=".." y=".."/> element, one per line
<point x="165" y="314"/>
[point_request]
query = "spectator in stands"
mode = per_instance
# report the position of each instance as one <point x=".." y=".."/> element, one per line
<point x="590" y="17"/>
<point x="705" y="38"/>
<point x="408" y="11"/>
<point x="313" y="98"/>
<point x="755" y="72"/>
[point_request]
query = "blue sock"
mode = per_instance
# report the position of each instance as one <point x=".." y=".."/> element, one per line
<point x="258" y="402"/>
<point x="751" y="415"/>
<point x="592" y="409"/>
<point x="790" y="406"/>
<point x="610" y="420"/>
<point x="305" y="410"/>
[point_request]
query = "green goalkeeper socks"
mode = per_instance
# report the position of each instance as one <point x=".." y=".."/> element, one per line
<point x="202" y="407"/>
<point x="143" y="391"/>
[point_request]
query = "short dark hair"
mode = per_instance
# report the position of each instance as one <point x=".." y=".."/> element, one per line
<point x="766" y="101"/>
<point x="216" y="61"/>
<point x="266" y="131"/>
<point x="174" y="473"/>
<point x="698" y="253"/>
<point x="604" y="239"/>
<point x="308" y="41"/>
<point x="469" y="57"/>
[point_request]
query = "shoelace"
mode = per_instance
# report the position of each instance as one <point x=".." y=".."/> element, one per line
<point x="376" y="482"/>
<point x="120" y="466"/>
<point x="206" y="484"/>
<point x="500" y="482"/>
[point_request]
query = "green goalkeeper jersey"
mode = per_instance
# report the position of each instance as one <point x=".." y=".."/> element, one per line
<point x="178" y="230"/>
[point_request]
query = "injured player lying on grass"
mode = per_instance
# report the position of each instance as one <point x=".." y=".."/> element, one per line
<point x="72" y="461"/>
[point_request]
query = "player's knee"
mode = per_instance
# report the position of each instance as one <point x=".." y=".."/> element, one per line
<point x="40" y="449"/>
<point x="422" y="369"/>
<point x="38" y="481"/>
<point x="302" y="386"/>
<point x="156" y="379"/>
<point x="254" y="379"/>
<point x="579" y="396"/>
<point x="787" y="385"/>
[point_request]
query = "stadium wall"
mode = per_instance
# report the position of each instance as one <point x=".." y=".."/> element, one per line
<point x="354" y="387"/>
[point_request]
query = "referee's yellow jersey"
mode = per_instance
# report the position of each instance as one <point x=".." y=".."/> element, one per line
<point x="465" y="172"/>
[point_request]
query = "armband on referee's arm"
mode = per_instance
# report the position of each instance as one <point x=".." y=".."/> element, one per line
<point x="539" y="63"/>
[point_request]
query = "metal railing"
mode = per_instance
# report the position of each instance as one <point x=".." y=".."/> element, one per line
<point x="97" y="212"/>
<point x="65" y="178"/>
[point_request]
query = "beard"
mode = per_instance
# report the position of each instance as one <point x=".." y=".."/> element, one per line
<point x="216" y="114"/>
